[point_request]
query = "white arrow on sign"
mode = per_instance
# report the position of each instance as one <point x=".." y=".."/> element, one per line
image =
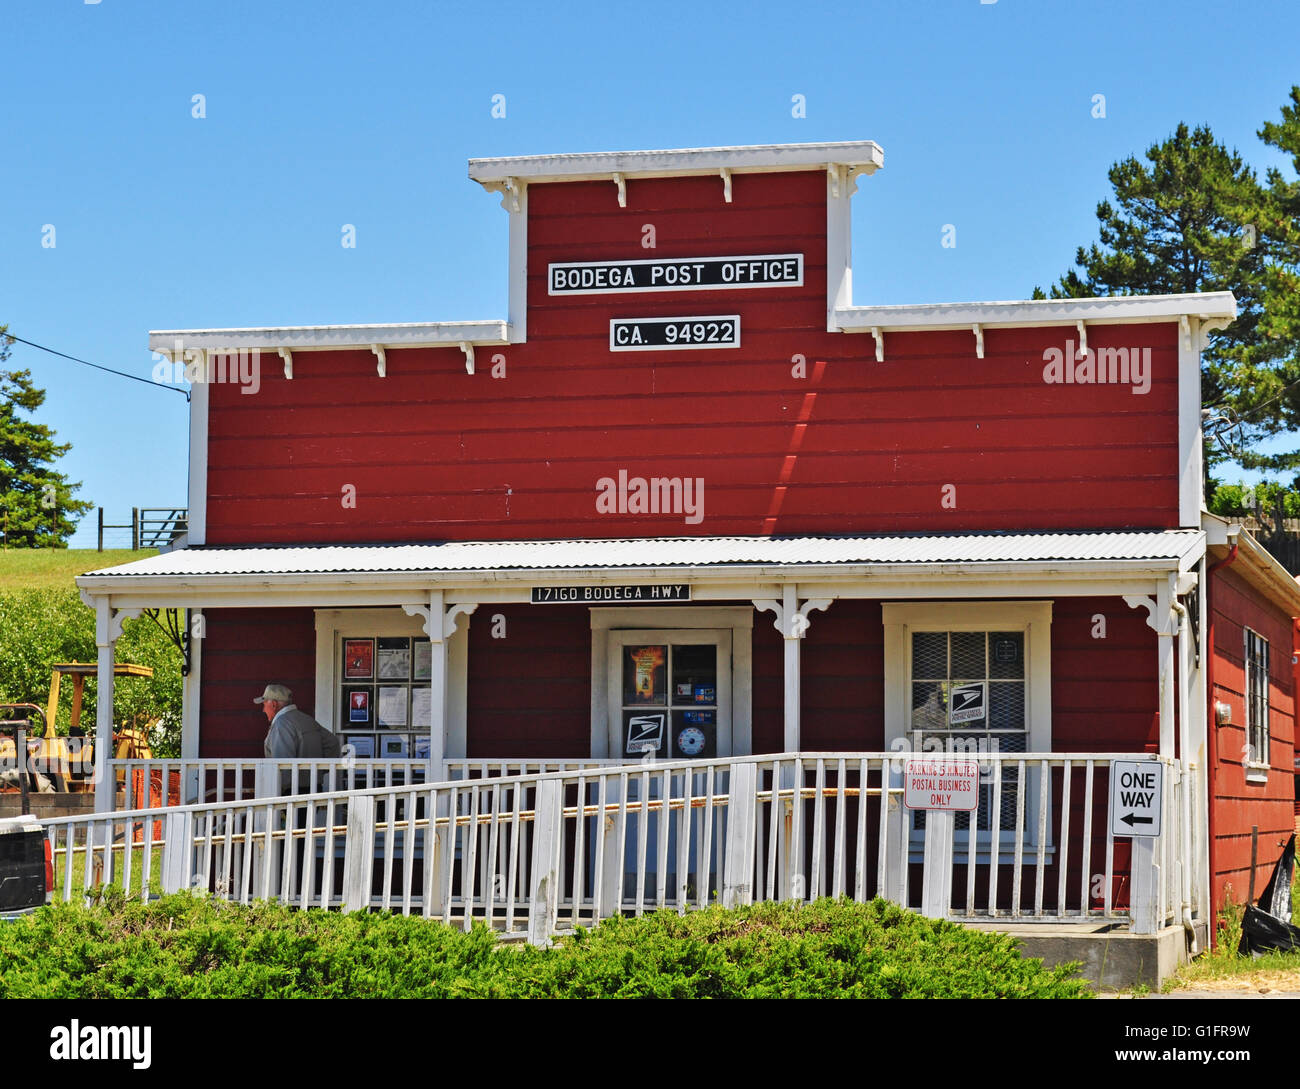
<point x="1137" y="791"/>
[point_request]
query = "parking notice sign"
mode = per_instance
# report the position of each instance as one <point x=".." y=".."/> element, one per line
<point x="1137" y="793"/>
<point x="941" y="782"/>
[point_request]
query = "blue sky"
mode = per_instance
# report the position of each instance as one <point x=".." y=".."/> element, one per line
<point x="320" y="114"/>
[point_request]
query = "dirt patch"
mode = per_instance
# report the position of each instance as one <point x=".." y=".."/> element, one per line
<point x="1262" y="981"/>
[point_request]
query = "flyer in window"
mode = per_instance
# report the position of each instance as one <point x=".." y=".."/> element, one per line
<point x="363" y="745"/>
<point x="644" y="668"/>
<point x="422" y="660"/>
<point x="394" y="659"/>
<point x="358" y="659"/>
<point x="421" y="708"/>
<point x="358" y="704"/>
<point x="392" y="706"/>
<point x="423" y="746"/>
<point x="394" y="746"/>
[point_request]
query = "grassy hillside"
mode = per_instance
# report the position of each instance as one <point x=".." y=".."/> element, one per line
<point x="42" y="621"/>
<point x="55" y="568"/>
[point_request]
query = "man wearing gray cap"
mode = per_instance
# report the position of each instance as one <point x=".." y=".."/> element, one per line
<point x="294" y="734"/>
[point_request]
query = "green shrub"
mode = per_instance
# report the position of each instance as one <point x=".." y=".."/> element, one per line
<point x="195" y="947"/>
<point x="41" y="627"/>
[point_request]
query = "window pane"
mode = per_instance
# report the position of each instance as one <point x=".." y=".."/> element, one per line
<point x="645" y="672"/>
<point x="929" y="707"/>
<point x="695" y="674"/>
<point x="1007" y="657"/>
<point x="1007" y="706"/>
<point x="968" y="656"/>
<point x="930" y="655"/>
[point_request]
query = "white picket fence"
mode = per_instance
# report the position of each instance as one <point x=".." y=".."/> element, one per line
<point x="544" y="850"/>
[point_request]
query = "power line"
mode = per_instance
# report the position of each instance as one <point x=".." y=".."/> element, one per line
<point x="97" y="366"/>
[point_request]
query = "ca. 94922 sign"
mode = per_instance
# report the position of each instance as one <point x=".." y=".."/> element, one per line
<point x="675" y="274"/>
<point x="667" y="334"/>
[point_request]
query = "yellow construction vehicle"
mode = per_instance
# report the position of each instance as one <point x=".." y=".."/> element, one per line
<point x="69" y="761"/>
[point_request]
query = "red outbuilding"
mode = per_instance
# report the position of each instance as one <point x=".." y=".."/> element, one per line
<point x="689" y="502"/>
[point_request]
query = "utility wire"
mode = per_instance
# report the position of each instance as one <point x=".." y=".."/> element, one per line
<point x="97" y="366"/>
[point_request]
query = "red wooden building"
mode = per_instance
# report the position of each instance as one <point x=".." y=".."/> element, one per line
<point x="695" y="499"/>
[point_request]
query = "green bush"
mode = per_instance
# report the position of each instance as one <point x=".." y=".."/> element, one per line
<point x="41" y="627"/>
<point x="195" y="947"/>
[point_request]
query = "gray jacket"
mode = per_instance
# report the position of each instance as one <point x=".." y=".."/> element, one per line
<point x="295" y="735"/>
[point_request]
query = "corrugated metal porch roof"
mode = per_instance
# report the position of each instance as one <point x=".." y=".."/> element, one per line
<point x="660" y="552"/>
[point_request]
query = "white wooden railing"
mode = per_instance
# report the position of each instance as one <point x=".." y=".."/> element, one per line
<point x="162" y="783"/>
<point x="543" y="851"/>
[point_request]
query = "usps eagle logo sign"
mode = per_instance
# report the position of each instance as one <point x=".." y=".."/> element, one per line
<point x="966" y="703"/>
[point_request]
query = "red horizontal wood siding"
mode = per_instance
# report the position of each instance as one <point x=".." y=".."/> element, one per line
<point x="850" y="445"/>
<point x="244" y="650"/>
<point x="529" y="684"/>
<point x="1240" y="804"/>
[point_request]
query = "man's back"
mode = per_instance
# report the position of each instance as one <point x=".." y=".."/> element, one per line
<point x="296" y="735"/>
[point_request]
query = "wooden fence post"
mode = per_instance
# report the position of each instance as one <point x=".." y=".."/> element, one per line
<point x="544" y="885"/>
<point x="897" y="833"/>
<point x="936" y="873"/>
<point x="1143" y="900"/>
<point x="359" y="853"/>
<point x="178" y="833"/>
<point x="738" y="861"/>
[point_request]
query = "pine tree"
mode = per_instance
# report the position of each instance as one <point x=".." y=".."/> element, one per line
<point x="37" y="509"/>
<point x="1185" y="221"/>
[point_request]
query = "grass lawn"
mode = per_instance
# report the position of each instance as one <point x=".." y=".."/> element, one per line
<point x="42" y="568"/>
<point x="137" y="854"/>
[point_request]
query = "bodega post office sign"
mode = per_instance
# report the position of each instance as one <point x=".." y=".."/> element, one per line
<point x="675" y="274"/>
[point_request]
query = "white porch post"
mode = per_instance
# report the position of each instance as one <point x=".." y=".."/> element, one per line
<point x="105" y="640"/>
<point x="792" y="622"/>
<point x="434" y="626"/>
<point x="1165" y="630"/>
<point x="440" y="622"/>
<point x="190" y="685"/>
<point x="791" y="635"/>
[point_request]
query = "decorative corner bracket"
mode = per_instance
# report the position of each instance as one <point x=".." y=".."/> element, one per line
<point x="287" y="356"/>
<point x="381" y="360"/>
<point x="621" y="182"/>
<point x="175" y="624"/>
<point x="978" y="330"/>
<point x="796" y="625"/>
<point x="1083" y="337"/>
<point x="880" y="343"/>
<point x="468" y="349"/>
<point x="1143" y="601"/>
<point x="510" y="190"/>
<point x="726" y="184"/>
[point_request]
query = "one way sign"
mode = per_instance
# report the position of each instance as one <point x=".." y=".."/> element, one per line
<point x="1137" y="793"/>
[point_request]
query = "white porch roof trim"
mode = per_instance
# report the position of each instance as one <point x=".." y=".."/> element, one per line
<point x="1036" y="313"/>
<point x="412" y="334"/>
<point x="860" y="156"/>
<point x="505" y="560"/>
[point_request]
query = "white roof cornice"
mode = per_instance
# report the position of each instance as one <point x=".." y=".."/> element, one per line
<point x="860" y="156"/>
<point x="308" y="337"/>
<point x="1037" y="312"/>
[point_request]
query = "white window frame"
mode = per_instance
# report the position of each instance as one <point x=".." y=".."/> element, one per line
<point x="1034" y="619"/>
<point x="619" y="639"/>
<point x="1257" y="764"/>
<point x="670" y="624"/>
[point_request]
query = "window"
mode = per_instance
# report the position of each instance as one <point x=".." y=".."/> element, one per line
<point x="673" y="680"/>
<point x="674" y="699"/>
<point x="973" y="678"/>
<point x="968" y="697"/>
<point x="1256" y="659"/>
